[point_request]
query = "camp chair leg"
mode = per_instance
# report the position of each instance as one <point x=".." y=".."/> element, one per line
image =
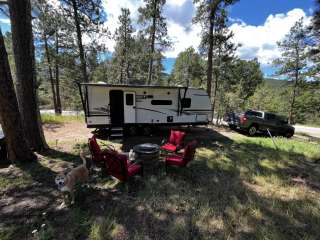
<point x="141" y="169"/>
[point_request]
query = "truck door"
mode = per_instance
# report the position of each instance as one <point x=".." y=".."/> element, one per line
<point x="271" y="122"/>
<point x="129" y="107"/>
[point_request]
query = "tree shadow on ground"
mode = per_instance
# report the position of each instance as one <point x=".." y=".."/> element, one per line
<point x="215" y="197"/>
<point x="204" y="136"/>
<point x="56" y="154"/>
<point x="218" y="196"/>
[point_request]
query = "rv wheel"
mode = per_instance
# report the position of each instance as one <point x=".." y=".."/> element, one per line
<point x="147" y="131"/>
<point x="133" y="131"/>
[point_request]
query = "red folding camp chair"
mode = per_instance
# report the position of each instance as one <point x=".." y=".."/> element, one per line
<point x="183" y="159"/>
<point x="175" y="141"/>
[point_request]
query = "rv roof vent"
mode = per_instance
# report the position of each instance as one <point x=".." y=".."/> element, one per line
<point x="100" y="82"/>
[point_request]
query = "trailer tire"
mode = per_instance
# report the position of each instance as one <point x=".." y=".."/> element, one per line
<point x="147" y="131"/>
<point x="133" y="131"/>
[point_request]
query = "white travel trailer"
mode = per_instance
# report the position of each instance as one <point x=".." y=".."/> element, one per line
<point x="129" y="106"/>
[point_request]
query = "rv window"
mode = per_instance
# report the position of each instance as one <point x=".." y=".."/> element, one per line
<point x="186" y="102"/>
<point x="161" y="102"/>
<point x="129" y="99"/>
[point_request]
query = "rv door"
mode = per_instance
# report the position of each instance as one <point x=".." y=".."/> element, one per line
<point x="129" y="107"/>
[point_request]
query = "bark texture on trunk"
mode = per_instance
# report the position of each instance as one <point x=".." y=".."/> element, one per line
<point x="23" y="48"/>
<point x="213" y="9"/>
<point x="216" y="82"/>
<point x="210" y="54"/>
<point x="46" y="47"/>
<point x="59" y="108"/>
<point x="79" y="38"/>
<point x="153" y="37"/>
<point x="11" y="123"/>
<point x="293" y="99"/>
<point x="295" y="87"/>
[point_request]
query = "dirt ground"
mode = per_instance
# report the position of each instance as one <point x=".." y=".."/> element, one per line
<point x="30" y="199"/>
<point x="66" y="131"/>
<point x="78" y="131"/>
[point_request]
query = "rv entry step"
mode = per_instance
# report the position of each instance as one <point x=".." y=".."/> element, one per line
<point x="116" y="132"/>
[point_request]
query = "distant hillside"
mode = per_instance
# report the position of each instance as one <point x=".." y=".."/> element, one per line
<point x="276" y="83"/>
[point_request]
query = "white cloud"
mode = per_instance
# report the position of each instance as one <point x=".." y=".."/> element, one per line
<point x="261" y="41"/>
<point x="113" y="10"/>
<point x="257" y="41"/>
<point x="54" y="3"/>
<point x="182" y="38"/>
<point x="5" y="20"/>
<point x="177" y="3"/>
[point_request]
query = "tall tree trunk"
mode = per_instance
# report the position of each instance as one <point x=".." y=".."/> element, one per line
<point x="295" y="87"/>
<point x="293" y="98"/>
<point x="23" y="48"/>
<point x="210" y="54"/>
<point x="121" y="70"/>
<point x="50" y="73"/>
<point x="213" y="9"/>
<point x="216" y="83"/>
<point x="125" y="57"/>
<point x="79" y="38"/>
<point x="59" y="108"/>
<point x="153" y="37"/>
<point x="11" y="123"/>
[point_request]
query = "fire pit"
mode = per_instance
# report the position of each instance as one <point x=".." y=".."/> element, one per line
<point x="148" y="153"/>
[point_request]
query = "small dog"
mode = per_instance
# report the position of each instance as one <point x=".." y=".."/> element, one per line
<point x="67" y="182"/>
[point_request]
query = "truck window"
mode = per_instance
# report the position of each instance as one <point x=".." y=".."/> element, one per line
<point x="270" y="116"/>
<point x="254" y="114"/>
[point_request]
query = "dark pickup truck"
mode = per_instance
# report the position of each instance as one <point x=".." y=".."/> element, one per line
<point x="257" y="121"/>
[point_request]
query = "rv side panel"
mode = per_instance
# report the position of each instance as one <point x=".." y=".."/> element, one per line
<point x="98" y="110"/>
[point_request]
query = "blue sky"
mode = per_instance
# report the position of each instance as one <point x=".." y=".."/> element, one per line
<point x="257" y="25"/>
<point x="251" y="16"/>
<point x="255" y="12"/>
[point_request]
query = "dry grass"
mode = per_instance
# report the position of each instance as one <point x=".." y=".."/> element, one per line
<point x="236" y="188"/>
<point x="60" y="119"/>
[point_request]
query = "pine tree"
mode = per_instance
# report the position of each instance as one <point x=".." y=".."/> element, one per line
<point x="151" y="17"/>
<point x="88" y="16"/>
<point x="188" y="69"/>
<point x="23" y="48"/>
<point x="10" y="117"/>
<point x="216" y="43"/>
<point x="140" y="58"/>
<point x="293" y="61"/>
<point x="123" y="49"/>
<point x="45" y="28"/>
<point x="210" y="16"/>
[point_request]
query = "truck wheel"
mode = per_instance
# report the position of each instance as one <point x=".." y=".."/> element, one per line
<point x="289" y="134"/>
<point x="252" y="130"/>
<point x="233" y="127"/>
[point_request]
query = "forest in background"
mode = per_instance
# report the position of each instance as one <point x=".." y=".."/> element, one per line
<point x="63" y="59"/>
